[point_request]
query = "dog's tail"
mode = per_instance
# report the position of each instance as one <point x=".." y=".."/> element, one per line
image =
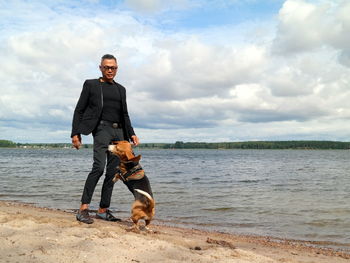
<point x="149" y="197"/>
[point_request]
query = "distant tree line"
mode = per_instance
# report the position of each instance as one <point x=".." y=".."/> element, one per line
<point x="5" y="143"/>
<point x="251" y="145"/>
<point x="10" y="144"/>
<point x="205" y="145"/>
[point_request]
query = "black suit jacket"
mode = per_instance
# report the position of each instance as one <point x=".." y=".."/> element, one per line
<point x="89" y="108"/>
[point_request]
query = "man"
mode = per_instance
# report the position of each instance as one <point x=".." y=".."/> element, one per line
<point x="102" y="111"/>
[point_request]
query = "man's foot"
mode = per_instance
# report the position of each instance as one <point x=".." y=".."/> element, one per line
<point x="83" y="216"/>
<point x="107" y="216"/>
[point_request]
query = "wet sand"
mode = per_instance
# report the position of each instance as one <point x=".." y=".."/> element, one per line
<point x="32" y="234"/>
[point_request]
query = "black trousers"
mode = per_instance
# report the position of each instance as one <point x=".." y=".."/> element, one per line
<point x="102" y="135"/>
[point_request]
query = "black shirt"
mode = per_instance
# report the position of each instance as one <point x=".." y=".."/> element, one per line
<point x="112" y="104"/>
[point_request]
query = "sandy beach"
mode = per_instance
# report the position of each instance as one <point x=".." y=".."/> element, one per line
<point x="32" y="234"/>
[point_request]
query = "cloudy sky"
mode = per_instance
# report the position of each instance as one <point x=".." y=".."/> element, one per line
<point x="195" y="70"/>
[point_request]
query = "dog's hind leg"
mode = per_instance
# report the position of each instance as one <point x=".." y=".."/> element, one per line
<point x="135" y="218"/>
<point x="146" y="226"/>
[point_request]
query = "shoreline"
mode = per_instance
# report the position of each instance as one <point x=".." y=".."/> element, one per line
<point x="36" y="234"/>
<point x="89" y="147"/>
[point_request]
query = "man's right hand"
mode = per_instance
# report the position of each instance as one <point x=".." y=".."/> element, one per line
<point x="76" y="141"/>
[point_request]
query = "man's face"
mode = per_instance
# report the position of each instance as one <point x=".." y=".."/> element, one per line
<point x="109" y="69"/>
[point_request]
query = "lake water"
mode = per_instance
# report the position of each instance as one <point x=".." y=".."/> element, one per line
<point x="294" y="194"/>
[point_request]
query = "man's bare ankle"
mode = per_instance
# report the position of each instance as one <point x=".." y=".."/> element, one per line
<point x="83" y="207"/>
<point x="102" y="210"/>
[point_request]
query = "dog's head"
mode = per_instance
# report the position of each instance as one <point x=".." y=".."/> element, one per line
<point x="124" y="150"/>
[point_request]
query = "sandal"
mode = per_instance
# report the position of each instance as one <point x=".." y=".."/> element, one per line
<point x="83" y="216"/>
<point x="107" y="216"/>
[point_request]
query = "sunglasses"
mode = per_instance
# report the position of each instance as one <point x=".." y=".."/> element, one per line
<point x="106" y="68"/>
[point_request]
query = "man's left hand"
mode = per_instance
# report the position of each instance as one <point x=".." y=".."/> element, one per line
<point x="135" y="140"/>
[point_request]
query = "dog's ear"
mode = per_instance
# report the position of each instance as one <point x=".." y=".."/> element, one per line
<point x="129" y="155"/>
<point x="136" y="159"/>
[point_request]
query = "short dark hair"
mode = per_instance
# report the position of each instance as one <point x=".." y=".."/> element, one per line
<point x="108" y="56"/>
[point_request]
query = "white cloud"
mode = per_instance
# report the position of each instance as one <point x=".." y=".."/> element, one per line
<point x="187" y="68"/>
<point x="304" y="26"/>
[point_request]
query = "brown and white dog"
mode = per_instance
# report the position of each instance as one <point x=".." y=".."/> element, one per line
<point x="133" y="176"/>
